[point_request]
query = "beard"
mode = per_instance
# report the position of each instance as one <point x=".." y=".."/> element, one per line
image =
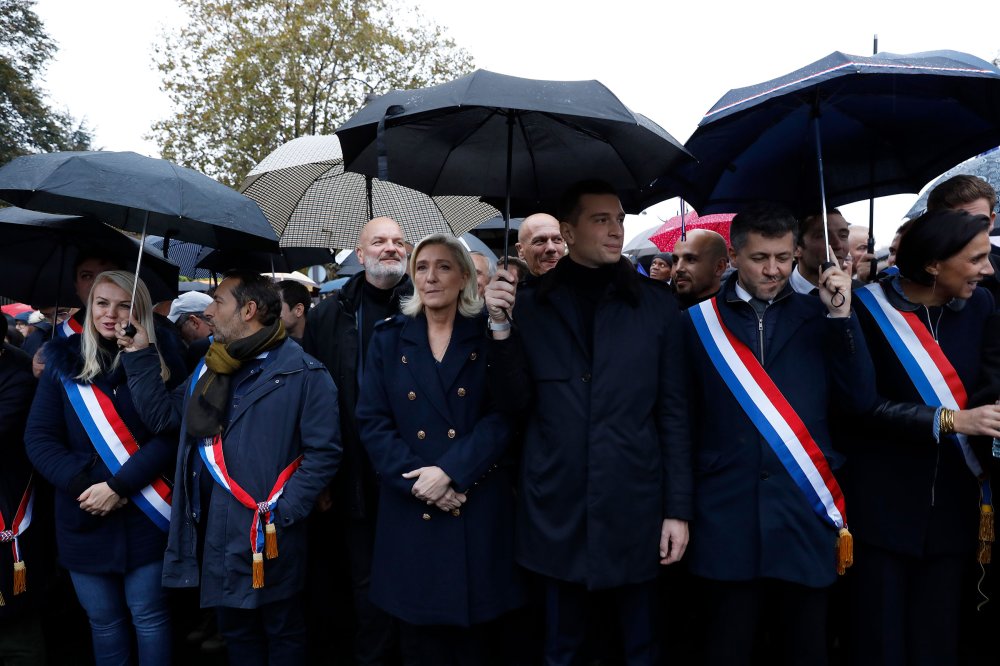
<point x="380" y="271"/>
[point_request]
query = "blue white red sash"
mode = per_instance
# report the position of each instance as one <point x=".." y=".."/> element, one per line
<point x="770" y="412"/>
<point x="263" y="541"/>
<point x="115" y="445"/>
<point x="69" y="328"/>
<point x="921" y="356"/>
<point x="18" y="525"/>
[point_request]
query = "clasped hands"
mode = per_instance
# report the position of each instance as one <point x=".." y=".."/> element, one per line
<point x="100" y="500"/>
<point x="433" y="486"/>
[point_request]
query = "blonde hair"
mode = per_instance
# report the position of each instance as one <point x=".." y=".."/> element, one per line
<point x="142" y="311"/>
<point x="469" y="303"/>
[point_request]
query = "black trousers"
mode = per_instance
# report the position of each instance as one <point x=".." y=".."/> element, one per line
<point x="567" y="610"/>
<point x="272" y="635"/>
<point x="763" y="621"/>
<point x="904" y="610"/>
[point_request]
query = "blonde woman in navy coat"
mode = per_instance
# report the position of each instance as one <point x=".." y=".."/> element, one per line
<point x="443" y="561"/>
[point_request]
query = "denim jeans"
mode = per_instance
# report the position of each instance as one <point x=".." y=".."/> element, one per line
<point x="111" y="600"/>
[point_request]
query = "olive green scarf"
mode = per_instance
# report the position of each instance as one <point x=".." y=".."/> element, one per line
<point x="206" y="408"/>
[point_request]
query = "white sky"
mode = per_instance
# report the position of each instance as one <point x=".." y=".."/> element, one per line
<point x="668" y="60"/>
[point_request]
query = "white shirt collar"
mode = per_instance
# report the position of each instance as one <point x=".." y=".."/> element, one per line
<point x="799" y="284"/>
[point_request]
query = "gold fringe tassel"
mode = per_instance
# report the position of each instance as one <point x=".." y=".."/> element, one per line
<point x="258" y="571"/>
<point x="20" y="578"/>
<point x="986" y="534"/>
<point x="845" y="551"/>
<point x="270" y="541"/>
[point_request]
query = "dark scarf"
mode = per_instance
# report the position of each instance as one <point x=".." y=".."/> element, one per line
<point x="207" y="407"/>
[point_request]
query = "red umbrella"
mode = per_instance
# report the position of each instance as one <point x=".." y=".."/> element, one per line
<point x="666" y="236"/>
<point x="14" y="309"/>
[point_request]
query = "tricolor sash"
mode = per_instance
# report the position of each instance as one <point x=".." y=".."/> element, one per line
<point x="776" y="421"/>
<point x="938" y="384"/>
<point x="262" y="542"/>
<point x="69" y="328"/>
<point x="20" y="523"/>
<point x="928" y="368"/>
<point x="115" y="445"/>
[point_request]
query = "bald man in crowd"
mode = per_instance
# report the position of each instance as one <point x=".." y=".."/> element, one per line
<point x="540" y="243"/>
<point x="699" y="263"/>
<point x="337" y="333"/>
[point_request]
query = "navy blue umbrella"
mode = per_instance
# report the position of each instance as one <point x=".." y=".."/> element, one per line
<point x="849" y="127"/>
<point x="518" y="143"/>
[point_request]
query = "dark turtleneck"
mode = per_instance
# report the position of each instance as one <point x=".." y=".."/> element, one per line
<point x="376" y="305"/>
<point x="588" y="285"/>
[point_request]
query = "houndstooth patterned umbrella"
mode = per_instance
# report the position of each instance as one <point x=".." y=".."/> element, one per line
<point x="312" y="202"/>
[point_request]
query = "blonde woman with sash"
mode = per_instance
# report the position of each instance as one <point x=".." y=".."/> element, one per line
<point x="112" y="506"/>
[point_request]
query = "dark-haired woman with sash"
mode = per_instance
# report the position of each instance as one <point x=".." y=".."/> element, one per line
<point x="916" y="491"/>
<point x="112" y="507"/>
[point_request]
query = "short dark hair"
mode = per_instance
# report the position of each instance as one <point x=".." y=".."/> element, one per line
<point x="960" y="190"/>
<point x="667" y="257"/>
<point x="293" y="293"/>
<point x="814" y="218"/>
<point x="767" y="219"/>
<point x="259" y="289"/>
<point x="936" y="236"/>
<point x="569" y="202"/>
<point x="100" y="254"/>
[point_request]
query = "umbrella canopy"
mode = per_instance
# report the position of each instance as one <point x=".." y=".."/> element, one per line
<point x="667" y="235"/>
<point x="312" y="202"/>
<point x="509" y="138"/>
<point x="39" y="252"/>
<point x="137" y="193"/>
<point x="886" y="124"/>
<point x="640" y="244"/>
<point x="185" y="255"/>
<point x="985" y="166"/>
<point x="333" y="285"/>
<point x="301" y="278"/>
<point x="288" y="260"/>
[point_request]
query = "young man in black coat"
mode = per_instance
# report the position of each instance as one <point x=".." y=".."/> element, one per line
<point x="605" y="491"/>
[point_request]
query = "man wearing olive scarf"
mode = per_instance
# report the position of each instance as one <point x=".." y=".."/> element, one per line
<point x="255" y="432"/>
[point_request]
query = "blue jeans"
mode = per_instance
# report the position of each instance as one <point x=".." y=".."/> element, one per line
<point x="110" y="600"/>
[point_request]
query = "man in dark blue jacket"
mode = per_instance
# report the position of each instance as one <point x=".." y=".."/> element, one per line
<point x="606" y="472"/>
<point x="764" y="366"/>
<point x="257" y="448"/>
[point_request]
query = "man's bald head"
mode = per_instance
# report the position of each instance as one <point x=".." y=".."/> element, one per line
<point x="382" y="251"/>
<point x="540" y="243"/>
<point x="699" y="262"/>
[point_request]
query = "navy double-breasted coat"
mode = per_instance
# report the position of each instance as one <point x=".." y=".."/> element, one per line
<point x="431" y="566"/>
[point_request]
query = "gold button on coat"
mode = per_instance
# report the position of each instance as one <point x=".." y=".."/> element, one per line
<point x="426" y="516"/>
<point x="461" y="393"/>
<point x="421" y="434"/>
<point x="411" y="395"/>
<point x="451" y="433"/>
<point x="456" y="512"/>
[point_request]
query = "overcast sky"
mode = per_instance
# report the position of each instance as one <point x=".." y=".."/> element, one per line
<point x="668" y="60"/>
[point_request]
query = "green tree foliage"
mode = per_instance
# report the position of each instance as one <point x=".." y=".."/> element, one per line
<point x="27" y="123"/>
<point x="246" y="76"/>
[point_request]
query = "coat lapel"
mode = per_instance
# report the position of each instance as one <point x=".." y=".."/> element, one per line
<point x="420" y="363"/>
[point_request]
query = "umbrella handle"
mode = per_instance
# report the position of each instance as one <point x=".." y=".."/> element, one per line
<point x="129" y="329"/>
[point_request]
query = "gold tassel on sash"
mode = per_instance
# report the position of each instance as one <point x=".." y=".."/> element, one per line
<point x="258" y="571"/>
<point x="270" y="541"/>
<point x="845" y="551"/>
<point x="20" y="578"/>
<point x="986" y="533"/>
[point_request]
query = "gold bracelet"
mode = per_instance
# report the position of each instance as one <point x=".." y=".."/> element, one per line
<point x="946" y="422"/>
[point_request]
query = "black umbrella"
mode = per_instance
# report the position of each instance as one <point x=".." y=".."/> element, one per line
<point x="137" y="193"/>
<point x="518" y="141"/>
<point x="843" y="129"/>
<point x="39" y="252"/>
<point x="288" y="260"/>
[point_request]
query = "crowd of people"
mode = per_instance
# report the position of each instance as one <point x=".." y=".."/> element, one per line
<point x="761" y="453"/>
